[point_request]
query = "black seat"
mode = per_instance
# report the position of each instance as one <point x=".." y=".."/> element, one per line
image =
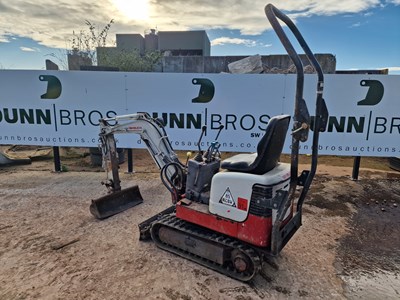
<point x="269" y="150"/>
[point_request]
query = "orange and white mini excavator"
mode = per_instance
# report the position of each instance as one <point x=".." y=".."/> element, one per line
<point x="226" y="215"/>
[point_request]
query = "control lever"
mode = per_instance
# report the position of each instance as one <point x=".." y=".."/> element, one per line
<point x="199" y="154"/>
<point x="219" y="131"/>
<point x="303" y="126"/>
<point x="213" y="149"/>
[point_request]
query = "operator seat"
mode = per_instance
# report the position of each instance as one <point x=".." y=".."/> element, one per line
<point x="269" y="150"/>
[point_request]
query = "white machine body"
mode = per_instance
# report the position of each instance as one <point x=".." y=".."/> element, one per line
<point x="231" y="191"/>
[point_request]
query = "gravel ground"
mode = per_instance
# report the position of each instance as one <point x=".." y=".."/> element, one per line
<point x="51" y="247"/>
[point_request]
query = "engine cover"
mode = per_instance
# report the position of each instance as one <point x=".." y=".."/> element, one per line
<point x="232" y="192"/>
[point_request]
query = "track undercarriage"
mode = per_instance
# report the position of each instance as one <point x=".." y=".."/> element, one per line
<point x="221" y="253"/>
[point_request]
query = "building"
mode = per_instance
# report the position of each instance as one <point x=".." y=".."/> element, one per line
<point x="175" y="43"/>
<point x="189" y="52"/>
<point x="184" y="43"/>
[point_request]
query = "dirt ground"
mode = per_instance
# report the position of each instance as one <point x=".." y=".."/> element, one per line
<point x="51" y="247"/>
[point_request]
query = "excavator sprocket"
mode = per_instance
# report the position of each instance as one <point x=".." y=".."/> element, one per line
<point x="221" y="253"/>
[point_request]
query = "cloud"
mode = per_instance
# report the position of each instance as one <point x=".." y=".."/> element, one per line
<point x="358" y="24"/>
<point x="4" y="39"/>
<point x="393" y="69"/>
<point x="51" y="23"/>
<point x="237" y="41"/>
<point x="28" y="49"/>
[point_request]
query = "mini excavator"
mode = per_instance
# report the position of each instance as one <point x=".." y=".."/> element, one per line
<point x="228" y="215"/>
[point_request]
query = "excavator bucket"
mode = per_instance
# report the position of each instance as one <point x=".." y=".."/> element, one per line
<point x="116" y="202"/>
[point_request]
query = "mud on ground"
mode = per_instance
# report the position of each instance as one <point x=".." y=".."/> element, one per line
<point x="52" y="248"/>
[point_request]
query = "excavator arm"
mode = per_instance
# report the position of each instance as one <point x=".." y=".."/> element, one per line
<point x="150" y="130"/>
<point x="152" y="133"/>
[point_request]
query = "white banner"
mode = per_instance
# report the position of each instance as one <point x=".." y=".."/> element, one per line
<point x="62" y="108"/>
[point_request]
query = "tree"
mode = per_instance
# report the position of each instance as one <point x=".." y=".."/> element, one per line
<point x="84" y="44"/>
<point x="128" y="60"/>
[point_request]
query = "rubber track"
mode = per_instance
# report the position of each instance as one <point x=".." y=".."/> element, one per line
<point x="206" y="235"/>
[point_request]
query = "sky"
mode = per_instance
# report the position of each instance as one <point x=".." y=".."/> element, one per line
<point x="362" y="34"/>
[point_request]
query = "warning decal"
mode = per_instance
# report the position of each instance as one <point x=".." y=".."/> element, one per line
<point x="227" y="198"/>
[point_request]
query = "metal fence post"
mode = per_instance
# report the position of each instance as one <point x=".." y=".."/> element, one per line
<point x="356" y="168"/>
<point x="56" y="150"/>
<point x="130" y="161"/>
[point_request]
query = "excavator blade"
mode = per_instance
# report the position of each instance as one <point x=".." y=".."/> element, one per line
<point x="115" y="202"/>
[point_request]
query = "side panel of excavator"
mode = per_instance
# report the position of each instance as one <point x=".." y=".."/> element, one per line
<point x="233" y="193"/>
